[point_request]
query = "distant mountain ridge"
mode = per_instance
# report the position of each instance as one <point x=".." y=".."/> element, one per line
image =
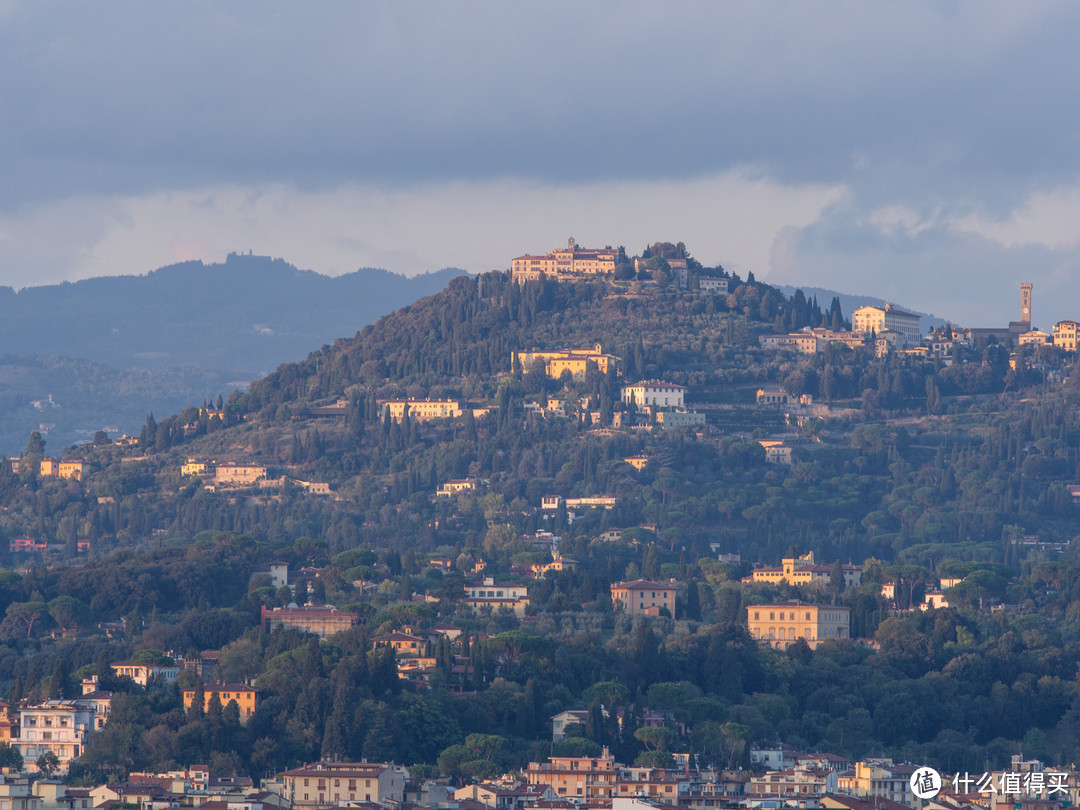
<point x="103" y="352"/>
<point x="246" y="315"/>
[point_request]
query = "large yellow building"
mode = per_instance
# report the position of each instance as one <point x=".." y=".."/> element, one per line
<point x="569" y="263"/>
<point x="422" y="409"/>
<point x="242" y="475"/>
<point x="880" y="318"/>
<point x="1066" y="334"/>
<point x="803" y="570"/>
<point x="558" y="362"/>
<point x="247" y="697"/>
<point x="782" y="623"/>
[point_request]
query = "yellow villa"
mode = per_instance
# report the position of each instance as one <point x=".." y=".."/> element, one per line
<point x="803" y="570"/>
<point x="421" y="410"/>
<point x="558" y="362"/>
<point x="782" y="623"/>
<point x="247" y="697"/>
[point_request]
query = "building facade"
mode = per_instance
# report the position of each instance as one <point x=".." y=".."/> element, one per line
<point x="782" y="623"/>
<point x="589" y="779"/>
<point x="1066" y="334"/>
<point x="558" y="362"/>
<point x="654" y="394"/>
<point x="247" y="698"/>
<point x="569" y="263"/>
<point x="59" y="726"/>
<point x="804" y="570"/>
<point x="643" y="597"/>
<point x="879" y="318"/>
<point x="142" y="674"/>
<point x="333" y="784"/>
<point x="493" y="595"/>
<point x="421" y="410"/>
<point x="239" y="475"/>
<point x="323" y="621"/>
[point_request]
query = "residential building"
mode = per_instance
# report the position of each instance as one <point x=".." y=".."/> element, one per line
<point x="503" y="796"/>
<point x="322" y="785"/>
<point x="1035" y="337"/>
<point x="879" y="778"/>
<point x="194" y="466"/>
<point x="782" y="623"/>
<point x="553" y="502"/>
<point x="323" y="621"/>
<point x="59" y="726"/>
<point x="565" y="264"/>
<point x="312" y="487"/>
<point x="26" y="544"/>
<point x="248" y="698"/>
<point x="558" y="563"/>
<point x="70" y="468"/>
<point x="679" y="419"/>
<point x="637" y="462"/>
<point x="888" y="341"/>
<point x="1066" y="334"/>
<point x="558" y="362"/>
<point x="143" y="674"/>
<point x="877" y="318"/>
<point x="570" y="717"/>
<point x="776" y="397"/>
<point x="421" y="410"/>
<point x="492" y="595"/>
<point x="934" y="599"/>
<point x="654" y="784"/>
<point x="591" y="502"/>
<point x="9" y="723"/>
<point x="811" y="340"/>
<point x="17" y="792"/>
<point x="643" y="597"/>
<point x="654" y="394"/>
<point x="776" y="452"/>
<point x="239" y="475"/>
<point x="457" y="485"/>
<point x="588" y="779"/>
<point x="797" y="781"/>
<point x="803" y="570"/>
<point x="402" y="643"/>
<point x="714" y="285"/>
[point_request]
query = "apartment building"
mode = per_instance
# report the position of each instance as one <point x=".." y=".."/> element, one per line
<point x="323" y="785"/>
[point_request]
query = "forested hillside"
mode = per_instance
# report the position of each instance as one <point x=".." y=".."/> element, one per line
<point x="913" y="469"/>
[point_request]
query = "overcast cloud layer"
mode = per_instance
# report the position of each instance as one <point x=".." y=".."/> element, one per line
<point x="922" y="152"/>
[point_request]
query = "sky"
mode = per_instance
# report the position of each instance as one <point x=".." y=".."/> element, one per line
<point x="927" y="153"/>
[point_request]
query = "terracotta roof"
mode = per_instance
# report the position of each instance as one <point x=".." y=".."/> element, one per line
<point x="642" y="585"/>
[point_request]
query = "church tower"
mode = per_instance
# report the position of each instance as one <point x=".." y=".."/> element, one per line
<point x="1025" y="303"/>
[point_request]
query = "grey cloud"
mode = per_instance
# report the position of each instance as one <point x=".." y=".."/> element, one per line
<point x="970" y="104"/>
<point x="940" y="270"/>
